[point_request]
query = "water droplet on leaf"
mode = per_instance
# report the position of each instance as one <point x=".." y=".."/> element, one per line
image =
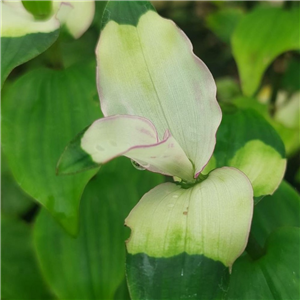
<point x="137" y="166"/>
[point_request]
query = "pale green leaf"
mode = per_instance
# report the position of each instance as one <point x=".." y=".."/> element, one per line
<point x="187" y="238"/>
<point x="146" y="67"/>
<point x="246" y="141"/>
<point x="79" y="18"/>
<point x="170" y="220"/>
<point x="131" y="136"/>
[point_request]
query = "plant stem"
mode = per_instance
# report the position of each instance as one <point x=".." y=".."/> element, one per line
<point x="288" y="4"/>
<point x="254" y="249"/>
<point x="54" y="56"/>
<point x="279" y="67"/>
<point x="276" y="84"/>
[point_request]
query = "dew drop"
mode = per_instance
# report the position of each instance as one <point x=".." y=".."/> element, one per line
<point x="137" y="166"/>
<point x="171" y="205"/>
<point x="181" y="272"/>
<point x="175" y="196"/>
<point x="99" y="148"/>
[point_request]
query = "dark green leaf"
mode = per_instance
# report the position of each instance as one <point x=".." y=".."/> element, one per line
<point x="259" y="38"/>
<point x="125" y="12"/>
<point x="41" y="113"/>
<point x="291" y="80"/>
<point x="14" y="202"/>
<point x="275" y="276"/>
<point x="99" y="10"/>
<point x="20" y="275"/>
<point x="18" y="50"/>
<point x="183" y="276"/>
<point x="280" y="209"/>
<point x="92" y="266"/>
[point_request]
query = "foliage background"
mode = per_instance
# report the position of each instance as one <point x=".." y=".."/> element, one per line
<point x="39" y="260"/>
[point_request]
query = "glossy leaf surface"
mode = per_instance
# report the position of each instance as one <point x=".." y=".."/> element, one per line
<point x="41" y="112"/>
<point x="259" y="38"/>
<point x="92" y="265"/>
<point x="246" y="141"/>
<point x="188" y="237"/>
<point x="280" y="209"/>
<point x="276" y="275"/>
<point x="146" y="68"/>
<point x="20" y="274"/>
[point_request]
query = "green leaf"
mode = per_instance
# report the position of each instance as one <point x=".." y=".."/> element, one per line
<point x="40" y="9"/>
<point x="275" y="275"/>
<point x="54" y="106"/>
<point x="246" y="141"/>
<point x="99" y="11"/>
<point x="280" y="209"/>
<point x="227" y="88"/>
<point x="259" y="38"/>
<point x="187" y="238"/>
<point x="146" y="67"/>
<point x="20" y="275"/>
<point x="31" y="45"/>
<point x="288" y="135"/>
<point x="14" y="202"/>
<point x="223" y="22"/>
<point x="92" y="266"/>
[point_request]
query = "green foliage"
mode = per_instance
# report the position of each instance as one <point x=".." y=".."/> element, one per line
<point x="14" y="202"/>
<point x="259" y="38"/>
<point x="97" y="254"/>
<point x="52" y="110"/>
<point x="20" y="275"/>
<point x="245" y="136"/>
<point x="275" y="275"/>
<point x="223" y="22"/>
<point x="278" y="210"/>
<point x="40" y="9"/>
<point x="63" y="235"/>
<point x="31" y="44"/>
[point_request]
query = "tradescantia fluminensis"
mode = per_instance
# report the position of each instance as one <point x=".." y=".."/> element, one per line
<point x="160" y="108"/>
